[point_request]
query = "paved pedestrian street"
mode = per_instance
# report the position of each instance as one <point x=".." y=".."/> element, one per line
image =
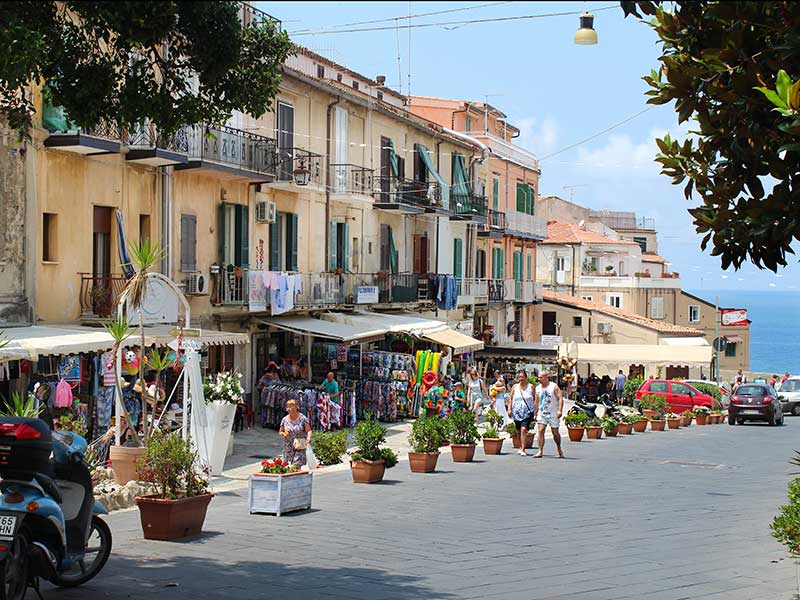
<point x="658" y="515"/>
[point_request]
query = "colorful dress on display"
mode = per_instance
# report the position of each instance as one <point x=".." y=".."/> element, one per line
<point x="295" y="430"/>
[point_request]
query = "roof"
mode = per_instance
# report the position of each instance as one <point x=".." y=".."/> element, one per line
<point x="470" y="105"/>
<point x="653" y="258"/>
<point x="559" y="232"/>
<point x="590" y="305"/>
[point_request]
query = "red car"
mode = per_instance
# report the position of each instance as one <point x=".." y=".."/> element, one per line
<point x="680" y="396"/>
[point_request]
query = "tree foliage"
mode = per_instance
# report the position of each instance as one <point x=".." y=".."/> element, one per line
<point x="172" y="63"/>
<point x="715" y="57"/>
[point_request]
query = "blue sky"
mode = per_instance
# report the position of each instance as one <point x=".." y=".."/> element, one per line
<point x="556" y="92"/>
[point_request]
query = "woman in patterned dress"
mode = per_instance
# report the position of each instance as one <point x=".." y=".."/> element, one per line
<point x="295" y="426"/>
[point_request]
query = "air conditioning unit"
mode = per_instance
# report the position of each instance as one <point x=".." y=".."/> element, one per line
<point x="197" y="284"/>
<point x="605" y="328"/>
<point x="265" y="212"/>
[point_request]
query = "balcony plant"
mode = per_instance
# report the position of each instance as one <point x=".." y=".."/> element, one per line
<point x="594" y="428"/>
<point x="463" y="435"/>
<point x="511" y="430"/>
<point x="280" y="487"/>
<point x="640" y="425"/>
<point x="100" y="295"/>
<point x="178" y="507"/>
<point x="576" y="425"/>
<point x="701" y="415"/>
<point x="610" y="425"/>
<point x="492" y="442"/>
<point x="673" y="420"/>
<point x="425" y="439"/>
<point x="686" y="418"/>
<point x="369" y="460"/>
<point x="329" y="446"/>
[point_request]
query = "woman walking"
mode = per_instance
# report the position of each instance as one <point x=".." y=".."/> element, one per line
<point x="296" y="432"/>
<point x="522" y="407"/>
<point x="477" y="395"/>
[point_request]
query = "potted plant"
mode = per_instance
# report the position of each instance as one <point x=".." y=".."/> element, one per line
<point x="329" y="446"/>
<point x="425" y="440"/>
<point x="492" y="442"/>
<point x="369" y="461"/>
<point x="701" y="415"/>
<point x="610" y="425"/>
<point x="640" y="424"/>
<point x="463" y="435"/>
<point x="652" y="404"/>
<point x="511" y="429"/>
<point x="626" y="425"/>
<point x="657" y="422"/>
<point x="594" y="428"/>
<point x="714" y="417"/>
<point x="673" y="420"/>
<point x="178" y="508"/>
<point x="576" y="425"/>
<point x="280" y="487"/>
<point x="686" y="418"/>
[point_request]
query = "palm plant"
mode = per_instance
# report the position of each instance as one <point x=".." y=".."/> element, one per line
<point x="20" y="405"/>
<point x="159" y="363"/>
<point x="120" y="330"/>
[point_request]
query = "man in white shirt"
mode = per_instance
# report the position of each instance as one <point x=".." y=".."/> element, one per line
<point x="548" y="405"/>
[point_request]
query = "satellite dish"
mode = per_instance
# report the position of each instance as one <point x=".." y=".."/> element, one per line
<point x="581" y="222"/>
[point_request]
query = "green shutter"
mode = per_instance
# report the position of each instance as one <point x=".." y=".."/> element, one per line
<point x="521" y="196"/>
<point x="495" y="194"/>
<point x="457" y="256"/>
<point x="332" y="256"/>
<point x="291" y="227"/>
<point x="530" y="267"/>
<point x="393" y="160"/>
<point x="275" y="243"/>
<point x="223" y="230"/>
<point x="242" y="243"/>
<point x="346" y="259"/>
<point x="533" y="198"/>
<point x="517" y="266"/>
<point x="393" y="266"/>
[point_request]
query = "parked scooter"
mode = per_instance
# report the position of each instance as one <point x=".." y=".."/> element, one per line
<point x="604" y="407"/>
<point x="49" y="520"/>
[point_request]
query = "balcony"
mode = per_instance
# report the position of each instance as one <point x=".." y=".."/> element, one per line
<point x="468" y="207"/>
<point x="232" y="152"/>
<point x="148" y="146"/>
<point x="99" y="295"/>
<point x="495" y="225"/>
<point x="527" y="291"/>
<point x="472" y="291"/>
<point x="526" y="226"/>
<point x="294" y="164"/>
<point x="508" y="151"/>
<point x="351" y="180"/>
<point x="622" y="220"/>
<point x="496" y="289"/>
<point x="407" y="195"/>
<point x="630" y="281"/>
<point x="103" y="139"/>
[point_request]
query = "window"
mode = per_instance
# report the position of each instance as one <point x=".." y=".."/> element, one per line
<point x="657" y="308"/>
<point x="188" y="243"/>
<point x="577" y="321"/>
<point x="658" y="386"/>
<point x="355" y="85"/>
<point x="562" y="263"/>
<point x="694" y="313"/>
<point x="480" y="264"/>
<point x="495" y="193"/>
<point x="49" y="237"/>
<point x="283" y="243"/>
<point x="338" y="77"/>
<point x="468" y="124"/>
<point x="458" y="250"/>
<point x="642" y="241"/>
<point x="614" y="300"/>
<point x="380" y="95"/>
<point x="320" y="71"/>
<point x="679" y="388"/>
<point x="144" y="228"/>
<point x="517" y="265"/>
<point x="589" y="298"/>
<point x="497" y="263"/>
<point x="525" y="198"/>
<point x="285" y="141"/>
<point x="730" y="349"/>
<point x="234" y="240"/>
<point x="339" y="246"/>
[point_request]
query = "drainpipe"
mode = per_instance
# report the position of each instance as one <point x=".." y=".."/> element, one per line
<point x="472" y="141"/>
<point x="574" y="269"/>
<point x="328" y="183"/>
<point x="166" y="228"/>
<point x="467" y="107"/>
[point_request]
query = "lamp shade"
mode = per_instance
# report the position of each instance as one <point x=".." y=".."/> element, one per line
<point x="586" y="35"/>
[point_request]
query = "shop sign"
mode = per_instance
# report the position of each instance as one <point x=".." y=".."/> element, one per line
<point x="465" y="327"/>
<point x="734" y="317"/>
<point x="552" y="340"/>
<point x="187" y="332"/>
<point x="367" y="294"/>
<point x="186" y="345"/>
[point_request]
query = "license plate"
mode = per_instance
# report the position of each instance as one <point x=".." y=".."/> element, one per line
<point x="7" y="525"/>
<point x="750" y="412"/>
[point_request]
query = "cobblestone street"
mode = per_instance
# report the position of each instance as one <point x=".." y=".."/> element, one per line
<point x="662" y="515"/>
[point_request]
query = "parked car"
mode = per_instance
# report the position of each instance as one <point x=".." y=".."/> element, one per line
<point x="680" y="396"/>
<point x="789" y="395"/>
<point x="755" y="402"/>
<point x="723" y="388"/>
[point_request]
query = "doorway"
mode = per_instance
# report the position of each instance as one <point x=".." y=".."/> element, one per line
<point x="549" y="323"/>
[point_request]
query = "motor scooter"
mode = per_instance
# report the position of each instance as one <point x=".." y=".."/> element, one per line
<point x="50" y="525"/>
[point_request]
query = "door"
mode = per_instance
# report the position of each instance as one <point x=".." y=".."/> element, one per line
<point x="101" y="292"/>
<point x="480" y="265"/>
<point x="680" y="397"/>
<point x="677" y="372"/>
<point x="660" y="388"/>
<point x="285" y="140"/>
<point x="549" y="323"/>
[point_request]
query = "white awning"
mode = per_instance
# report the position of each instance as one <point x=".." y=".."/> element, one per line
<point x="163" y="334"/>
<point x="684" y="341"/>
<point x="623" y="355"/>
<point x="327" y="329"/>
<point x="391" y="323"/>
<point x="456" y="340"/>
<point x="42" y="340"/>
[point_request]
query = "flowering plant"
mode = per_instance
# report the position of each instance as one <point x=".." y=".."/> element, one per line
<point x="223" y="387"/>
<point x="277" y="466"/>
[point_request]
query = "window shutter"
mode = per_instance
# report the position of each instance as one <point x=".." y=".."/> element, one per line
<point x="501" y="270"/>
<point x="291" y="233"/>
<point x="530" y="267"/>
<point x="275" y="243"/>
<point x="657" y="308"/>
<point x="520" y="198"/>
<point x="495" y="194"/>
<point x="533" y="199"/>
<point x="188" y="243"/>
<point x="346" y="259"/>
<point x="517" y="266"/>
<point x="417" y="254"/>
<point x="332" y="246"/>
<point x="223" y="233"/>
<point x="457" y="257"/>
<point x="242" y="247"/>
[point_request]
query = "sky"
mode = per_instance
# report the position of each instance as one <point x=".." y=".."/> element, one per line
<point x="556" y="92"/>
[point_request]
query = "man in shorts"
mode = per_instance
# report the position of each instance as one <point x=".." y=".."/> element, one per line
<point x="548" y="404"/>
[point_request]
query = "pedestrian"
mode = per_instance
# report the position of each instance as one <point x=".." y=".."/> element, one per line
<point x="739" y="380"/>
<point x="477" y="395"/>
<point x="499" y="392"/>
<point x="331" y="386"/>
<point x="619" y="385"/>
<point x="296" y="432"/>
<point x="459" y="402"/>
<point x="547" y="409"/>
<point x="785" y="376"/>
<point x="521" y="407"/>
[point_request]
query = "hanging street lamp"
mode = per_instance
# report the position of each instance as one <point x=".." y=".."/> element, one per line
<point x="586" y="35"/>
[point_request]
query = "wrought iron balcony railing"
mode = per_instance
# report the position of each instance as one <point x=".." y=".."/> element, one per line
<point x="232" y="147"/>
<point x="468" y="204"/>
<point x="396" y="190"/>
<point x="99" y="294"/>
<point x="352" y="179"/>
<point x="292" y="161"/>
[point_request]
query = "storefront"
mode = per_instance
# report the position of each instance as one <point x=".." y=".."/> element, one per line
<point x="511" y="357"/>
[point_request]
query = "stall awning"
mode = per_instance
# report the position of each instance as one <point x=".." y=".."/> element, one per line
<point x="734" y="339"/>
<point x="622" y="355"/>
<point x="684" y="341"/>
<point x="43" y="340"/>
<point x="163" y="334"/>
<point x="521" y="350"/>
<point x="327" y="329"/>
<point x="391" y="323"/>
<point x="456" y="340"/>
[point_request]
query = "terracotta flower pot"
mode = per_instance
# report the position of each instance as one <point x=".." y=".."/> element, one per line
<point x="701" y="419"/>
<point x="714" y="419"/>
<point x="657" y="425"/>
<point x="649" y="413"/>
<point x="625" y="428"/>
<point x="613" y="432"/>
<point x="367" y="471"/>
<point x="722" y="418"/>
<point x="462" y="452"/>
<point x="528" y="440"/>
<point x="686" y="421"/>
<point x="674" y="423"/>
<point x="640" y="426"/>
<point x="423" y="462"/>
<point x="492" y="445"/>
<point x="593" y="433"/>
<point x="575" y="434"/>
<point x="123" y="462"/>
<point x="167" y="520"/>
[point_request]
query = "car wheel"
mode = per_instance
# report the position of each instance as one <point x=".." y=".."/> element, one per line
<point x="771" y="420"/>
<point x="796" y="410"/>
<point x="740" y="421"/>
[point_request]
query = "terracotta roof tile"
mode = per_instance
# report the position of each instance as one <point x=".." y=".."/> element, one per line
<point x="570" y="233"/>
<point x="653" y="258"/>
<point x="660" y="326"/>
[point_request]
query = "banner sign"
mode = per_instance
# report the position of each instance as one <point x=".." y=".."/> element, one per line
<point x="367" y="294"/>
<point x="734" y="316"/>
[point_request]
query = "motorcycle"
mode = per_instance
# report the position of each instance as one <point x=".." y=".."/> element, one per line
<point x="50" y="525"/>
<point x="604" y="407"/>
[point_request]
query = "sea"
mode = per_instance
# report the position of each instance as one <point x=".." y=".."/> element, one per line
<point x="774" y="327"/>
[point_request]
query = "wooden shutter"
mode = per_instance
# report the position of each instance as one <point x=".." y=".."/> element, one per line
<point x="417" y="245"/>
<point x="425" y="255"/>
<point x="188" y="243"/>
<point x="332" y="245"/>
<point x="346" y="245"/>
<point x="530" y="267"/>
<point x="517" y="266"/>
<point x="275" y="243"/>
<point x="458" y="251"/>
<point x="241" y="249"/>
<point x="495" y="194"/>
<point x="222" y="227"/>
<point x="291" y="247"/>
<point x="520" y="198"/>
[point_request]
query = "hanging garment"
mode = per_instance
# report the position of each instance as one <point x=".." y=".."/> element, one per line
<point x="103" y="405"/>
<point x="107" y="369"/>
<point x="63" y="394"/>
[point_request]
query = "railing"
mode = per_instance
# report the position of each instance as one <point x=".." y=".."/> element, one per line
<point x="496" y="290"/>
<point x="391" y="190"/>
<point x="622" y="219"/>
<point x="613" y="281"/>
<point x="509" y="290"/>
<point x="496" y="220"/>
<point x="291" y="160"/>
<point x="148" y="136"/>
<point x="468" y="204"/>
<point x="351" y="179"/>
<point x="524" y="291"/>
<point x="231" y="147"/>
<point x="99" y="294"/>
<point x="507" y="150"/>
<point x="232" y="289"/>
<point x="250" y="15"/>
<point x="472" y="291"/>
<point x="525" y="223"/>
<point x="538" y="293"/>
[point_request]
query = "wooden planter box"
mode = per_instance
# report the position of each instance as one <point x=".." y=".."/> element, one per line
<point x="278" y="494"/>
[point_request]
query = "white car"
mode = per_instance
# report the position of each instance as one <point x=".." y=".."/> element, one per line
<point x="789" y="395"/>
<point x="726" y="393"/>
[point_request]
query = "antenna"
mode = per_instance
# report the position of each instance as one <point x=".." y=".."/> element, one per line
<point x="486" y="110"/>
<point x="571" y="189"/>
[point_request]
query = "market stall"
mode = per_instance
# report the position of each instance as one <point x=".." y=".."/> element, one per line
<point x="608" y="359"/>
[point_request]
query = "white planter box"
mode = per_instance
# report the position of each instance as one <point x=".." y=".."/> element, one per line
<point x="278" y="494"/>
<point x="217" y="432"/>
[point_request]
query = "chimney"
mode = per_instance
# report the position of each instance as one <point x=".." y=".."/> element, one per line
<point x="381" y="80"/>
